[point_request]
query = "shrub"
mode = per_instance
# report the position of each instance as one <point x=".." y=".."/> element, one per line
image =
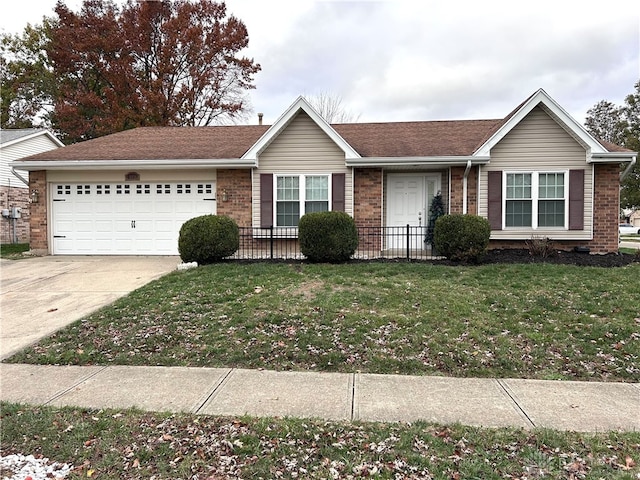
<point x="541" y="247"/>
<point x="462" y="237"/>
<point x="327" y="236"/>
<point x="208" y="238"/>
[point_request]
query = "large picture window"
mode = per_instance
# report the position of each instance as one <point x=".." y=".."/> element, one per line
<point x="535" y="199"/>
<point x="300" y="194"/>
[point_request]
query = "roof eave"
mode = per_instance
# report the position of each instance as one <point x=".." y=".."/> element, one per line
<point x="612" y="157"/>
<point x="148" y="164"/>
<point x="432" y="161"/>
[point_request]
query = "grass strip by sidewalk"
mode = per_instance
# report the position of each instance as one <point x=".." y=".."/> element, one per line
<point x="537" y="321"/>
<point x="13" y="250"/>
<point x="110" y="444"/>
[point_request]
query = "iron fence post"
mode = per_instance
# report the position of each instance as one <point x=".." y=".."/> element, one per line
<point x="408" y="242"/>
<point x="271" y="242"/>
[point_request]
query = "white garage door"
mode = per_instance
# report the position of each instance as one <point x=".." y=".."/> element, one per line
<point x="125" y="218"/>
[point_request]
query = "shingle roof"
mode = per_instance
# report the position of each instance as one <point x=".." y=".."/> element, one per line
<point x="400" y="139"/>
<point x="396" y="139"/>
<point x="163" y="143"/>
<point x="416" y="139"/>
<point x="9" y="135"/>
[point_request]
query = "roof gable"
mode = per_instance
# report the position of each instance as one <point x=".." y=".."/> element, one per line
<point x="12" y="136"/>
<point x="285" y="119"/>
<point x="555" y="111"/>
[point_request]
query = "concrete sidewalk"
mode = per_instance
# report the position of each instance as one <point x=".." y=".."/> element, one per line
<point x="562" y="405"/>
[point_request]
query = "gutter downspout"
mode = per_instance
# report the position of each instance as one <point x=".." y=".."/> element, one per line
<point x="26" y="182"/>
<point x="464" y="187"/>
<point x="628" y="169"/>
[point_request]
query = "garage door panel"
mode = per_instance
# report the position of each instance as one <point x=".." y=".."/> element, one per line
<point x="103" y="207"/>
<point x="104" y="226"/>
<point x="165" y="226"/>
<point x="163" y="206"/>
<point x="136" y="219"/>
<point x="122" y="207"/>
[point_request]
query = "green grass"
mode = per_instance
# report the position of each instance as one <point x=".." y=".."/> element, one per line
<point x="525" y="321"/>
<point x="110" y="444"/>
<point x="13" y="250"/>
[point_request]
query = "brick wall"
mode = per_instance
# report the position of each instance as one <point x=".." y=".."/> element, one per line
<point x="14" y="197"/>
<point x="472" y="191"/>
<point x="367" y="208"/>
<point x="38" y="222"/>
<point x="237" y="184"/>
<point x="456" y="190"/>
<point x="606" y="208"/>
<point x="457" y="180"/>
<point x="367" y="194"/>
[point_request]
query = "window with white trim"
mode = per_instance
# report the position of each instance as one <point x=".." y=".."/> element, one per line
<point x="536" y="199"/>
<point x="300" y="194"/>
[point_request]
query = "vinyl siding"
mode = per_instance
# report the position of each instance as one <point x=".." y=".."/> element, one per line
<point x="21" y="149"/>
<point x="538" y="143"/>
<point x="301" y="148"/>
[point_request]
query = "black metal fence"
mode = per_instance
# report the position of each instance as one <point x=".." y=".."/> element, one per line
<point x="277" y="243"/>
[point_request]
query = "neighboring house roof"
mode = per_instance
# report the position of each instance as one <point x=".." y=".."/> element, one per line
<point x="14" y="135"/>
<point x="20" y="143"/>
<point x="363" y="143"/>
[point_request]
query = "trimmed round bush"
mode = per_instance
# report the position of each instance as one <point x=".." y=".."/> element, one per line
<point x="208" y="238"/>
<point x="463" y="238"/>
<point x="327" y="236"/>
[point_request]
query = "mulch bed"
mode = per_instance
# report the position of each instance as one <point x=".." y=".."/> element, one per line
<point x="560" y="257"/>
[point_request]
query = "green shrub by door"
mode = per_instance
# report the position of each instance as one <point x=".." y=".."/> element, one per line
<point x="462" y="237"/>
<point x="327" y="236"/>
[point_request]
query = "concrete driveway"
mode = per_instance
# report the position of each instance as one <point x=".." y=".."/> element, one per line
<point x="43" y="294"/>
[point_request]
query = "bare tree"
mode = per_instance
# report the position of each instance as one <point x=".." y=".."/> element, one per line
<point x="330" y="107"/>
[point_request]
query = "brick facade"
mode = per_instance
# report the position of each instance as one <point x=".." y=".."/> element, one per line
<point x="606" y="208"/>
<point x="235" y="185"/>
<point x="367" y="192"/>
<point x="457" y="180"/>
<point x="367" y="208"/>
<point x="38" y="222"/>
<point x="14" y="197"/>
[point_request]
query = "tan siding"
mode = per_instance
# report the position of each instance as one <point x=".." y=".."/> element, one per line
<point x="301" y="148"/>
<point x="539" y="143"/>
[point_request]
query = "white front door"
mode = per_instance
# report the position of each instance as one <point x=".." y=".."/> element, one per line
<point x="409" y="197"/>
<point x="125" y="219"/>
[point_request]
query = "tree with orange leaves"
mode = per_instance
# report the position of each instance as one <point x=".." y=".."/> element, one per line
<point x="168" y="62"/>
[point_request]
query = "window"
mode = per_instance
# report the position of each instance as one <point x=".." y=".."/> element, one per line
<point x="300" y="194"/>
<point x="519" y="202"/>
<point x="535" y="199"/>
<point x="551" y="200"/>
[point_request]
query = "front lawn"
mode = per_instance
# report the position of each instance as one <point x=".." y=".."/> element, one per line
<point x="525" y="321"/>
<point x="108" y="444"/>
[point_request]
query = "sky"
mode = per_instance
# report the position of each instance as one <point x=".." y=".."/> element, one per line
<point x="406" y="60"/>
